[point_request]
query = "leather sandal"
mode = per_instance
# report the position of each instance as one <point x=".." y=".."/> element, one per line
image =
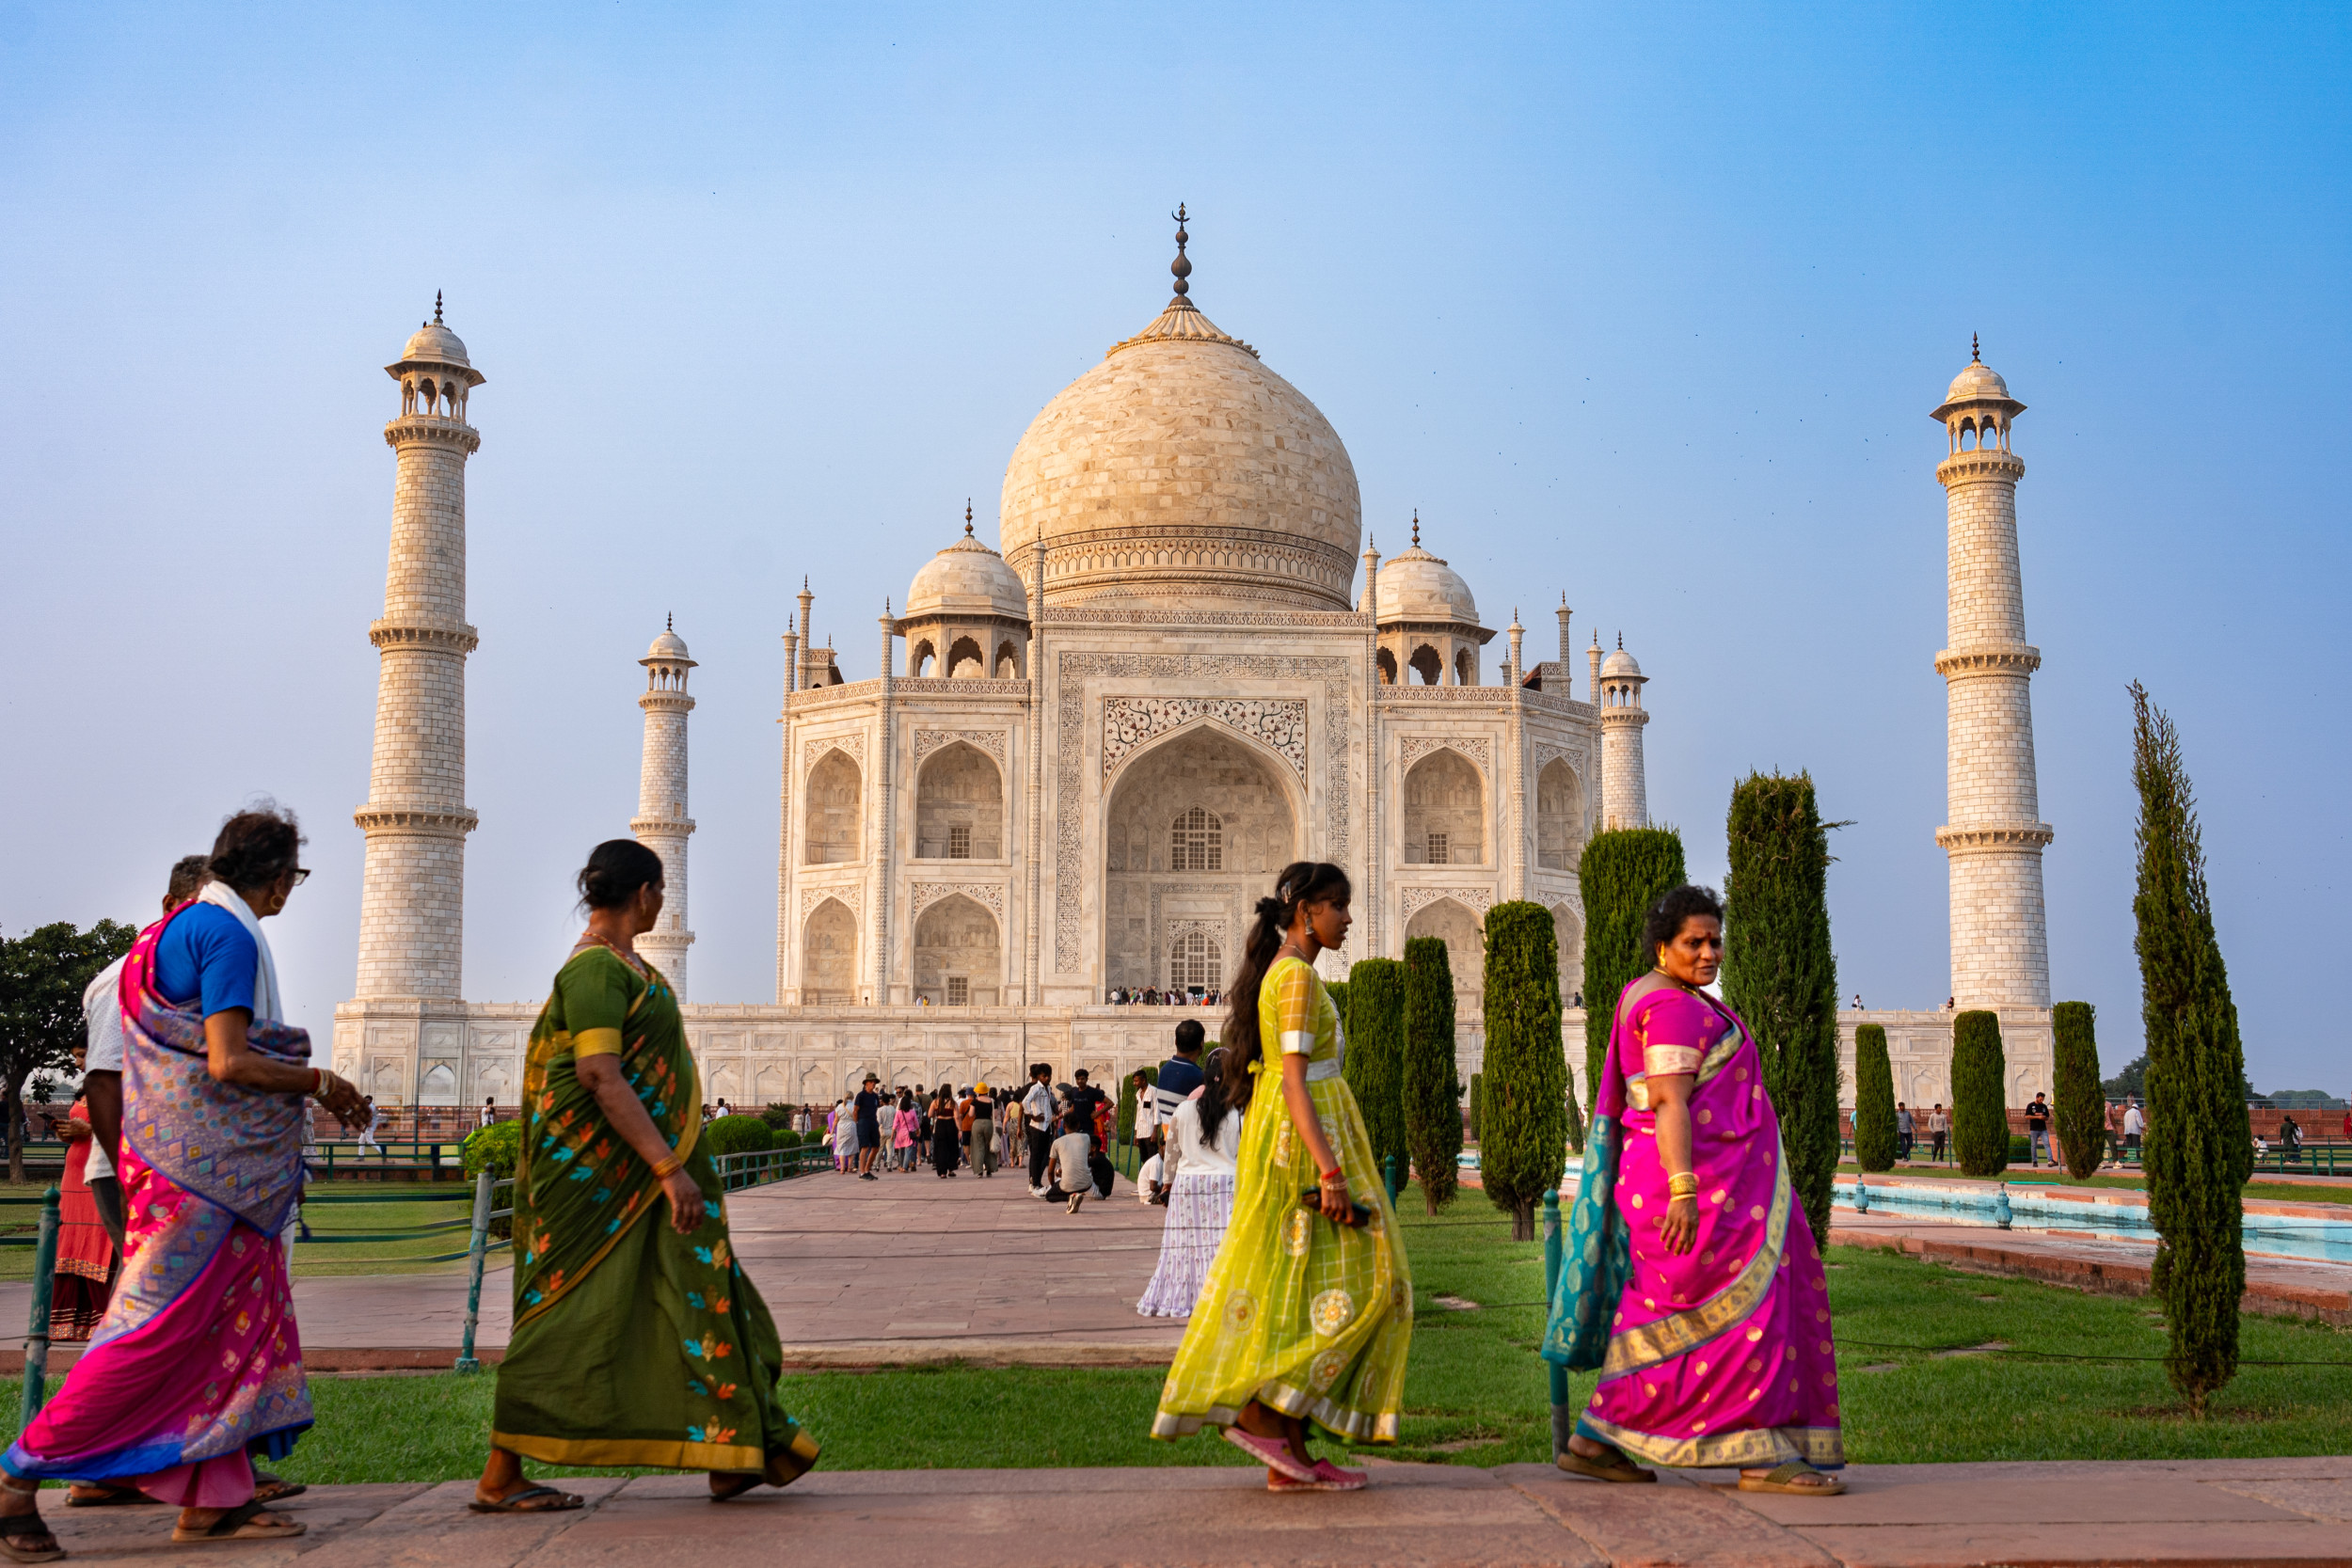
<point x="1782" y="1479"/>
<point x="1610" y="1465"/>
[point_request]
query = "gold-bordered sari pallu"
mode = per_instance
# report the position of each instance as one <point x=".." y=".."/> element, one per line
<point x="1721" y="1356"/>
<point x="632" y="1344"/>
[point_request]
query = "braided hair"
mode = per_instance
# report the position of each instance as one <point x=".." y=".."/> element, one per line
<point x="1301" y="882"/>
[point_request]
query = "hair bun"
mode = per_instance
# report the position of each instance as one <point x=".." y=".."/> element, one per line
<point x="1270" y="911"/>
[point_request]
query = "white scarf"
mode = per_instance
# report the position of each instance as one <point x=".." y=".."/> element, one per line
<point x="266" y="1007"/>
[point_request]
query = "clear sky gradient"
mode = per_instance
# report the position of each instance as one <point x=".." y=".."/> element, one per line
<point x="1645" y="305"/>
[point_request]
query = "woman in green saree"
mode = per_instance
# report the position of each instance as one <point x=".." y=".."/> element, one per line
<point x="638" y="1339"/>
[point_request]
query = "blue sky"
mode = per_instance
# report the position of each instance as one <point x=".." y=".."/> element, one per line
<point x="1644" y="304"/>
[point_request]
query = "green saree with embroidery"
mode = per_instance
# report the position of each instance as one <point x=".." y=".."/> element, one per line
<point x="632" y="1344"/>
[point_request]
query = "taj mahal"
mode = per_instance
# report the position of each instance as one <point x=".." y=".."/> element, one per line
<point x="1089" y="748"/>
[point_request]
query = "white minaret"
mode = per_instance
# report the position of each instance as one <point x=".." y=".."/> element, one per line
<point x="1623" y="777"/>
<point x="412" y="897"/>
<point x="662" y="823"/>
<point x="1994" y="834"/>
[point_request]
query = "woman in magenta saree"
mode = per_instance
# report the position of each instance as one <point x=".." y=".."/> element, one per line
<point x="1691" y="1279"/>
<point x="195" y="1368"/>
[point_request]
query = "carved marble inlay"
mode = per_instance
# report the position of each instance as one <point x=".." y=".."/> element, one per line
<point x="991" y="742"/>
<point x="1546" y="755"/>
<point x="853" y="743"/>
<point x="850" y="894"/>
<point x="1340" y="676"/>
<point x="989" y="895"/>
<point x="1129" y="722"/>
<point x="1477" y="899"/>
<point x="1416" y="747"/>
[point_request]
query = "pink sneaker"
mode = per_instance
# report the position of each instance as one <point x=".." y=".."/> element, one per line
<point x="1273" y="1453"/>
<point x="1328" y="1478"/>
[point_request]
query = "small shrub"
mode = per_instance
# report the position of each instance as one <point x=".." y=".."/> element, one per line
<point x="494" y="1149"/>
<point x="738" y="1136"/>
<point x="2020" y="1147"/>
<point x="787" y="1138"/>
<point x="779" y="1117"/>
<point x="2080" y="1107"/>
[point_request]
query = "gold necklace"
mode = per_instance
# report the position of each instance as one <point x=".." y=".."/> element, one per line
<point x="609" y="945"/>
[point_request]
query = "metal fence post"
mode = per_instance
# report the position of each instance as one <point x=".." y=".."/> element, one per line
<point x="37" y="1330"/>
<point x="1563" y="1419"/>
<point x="475" y="1251"/>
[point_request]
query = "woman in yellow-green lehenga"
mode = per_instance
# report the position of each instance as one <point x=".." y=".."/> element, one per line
<point x="1308" y="1310"/>
<point x="638" y="1339"/>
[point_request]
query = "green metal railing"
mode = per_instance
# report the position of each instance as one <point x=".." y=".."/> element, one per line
<point x="2314" y="1159"/>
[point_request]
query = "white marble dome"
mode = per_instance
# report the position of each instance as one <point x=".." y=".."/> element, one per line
<point x="1419" y="586"/>
<point x="1181" y="472"/>
<point x="967" y="579"/>
<point x="1977" y="380"/>
<point x="435" y="343"/>
<point x="1620" y="663"/>
<point x="668" y="645"/>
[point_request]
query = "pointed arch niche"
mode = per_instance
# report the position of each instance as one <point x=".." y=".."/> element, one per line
<point x="1445" y="813"/>
<point x="829" y="953"/>
<point x="1465" y="937"/>
<point x="959" y="954"/>
<point x="959" y="806"/>
<point x="836" y="821"/>
<point x="1559" y="817"/>
<point x="1196" y="824"/>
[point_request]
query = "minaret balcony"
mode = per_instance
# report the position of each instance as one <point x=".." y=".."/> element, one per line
<point x="433" y="429"/>
<point x="1970" y="468"/>
<point x="1991" y="659"/>
<point x="460" y="638"/>
<point x="1994" y="836"/>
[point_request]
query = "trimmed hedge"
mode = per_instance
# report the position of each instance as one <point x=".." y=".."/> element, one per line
<point x="738" y="1136"/>
<point x="2079" y="1109"/>
<point x="1623" y="872"/>
<point x="1779" y="973"/>
<point x="1432" y="1092"/>
<point x="1375" y="1054"/>
<point x="1874" y="1140"/>
<point x="494" y="1149"/>
<point x="1478" y="1091"/>
<point x="1523" y="1136"/>
<point x="1125" y="1131"/>
<point x="1980" y="1095"/>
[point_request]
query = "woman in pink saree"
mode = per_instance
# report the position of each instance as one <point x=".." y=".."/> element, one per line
<point x="1691" y="1279"/>
<point x="195" y="1368"/>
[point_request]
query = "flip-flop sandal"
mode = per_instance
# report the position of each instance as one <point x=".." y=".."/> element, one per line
<point x="115" y="1496"/>
<point x="240" y="1522"/>
<point x="28" y="1527"/>
<point x="270" y="1489"/>
<point x="526" y="1501"/>
<point x="1782" y="1475"/>
<point x="1614" y="1466"/>
<point x="1272" y="1452"/>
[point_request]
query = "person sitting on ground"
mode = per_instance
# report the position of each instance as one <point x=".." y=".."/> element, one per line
<point x="1075" y="1172"/>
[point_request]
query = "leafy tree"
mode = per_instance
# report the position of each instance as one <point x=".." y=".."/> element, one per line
<point x="1874" y="1138"/>
<point x="1523" y="1134"/>
<point x="1623" y="872"/>
<point x="42" y="975"/>
<point x="2130" y="1084"/>
<point x="1375" y="1053"/>
<point x="1432" y="1093"/>
<point x="2080" y="1109"/>
<point x="2199" y="1146"/>
<point x="1979" y="1094"/>
<point x="1779" y="973"/>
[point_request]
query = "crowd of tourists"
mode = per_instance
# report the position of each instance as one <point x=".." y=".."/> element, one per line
<point x="1280" y="1247"/>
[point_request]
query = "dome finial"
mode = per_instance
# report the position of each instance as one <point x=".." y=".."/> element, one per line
<point x="967" y="516"/>
<point x="669" y="622"/>
<point x="436" y="307"/>
<point x="1417" y="528"/>
<point x="1620" y="641"/>
<point x="1975" y="353"/>
<point x="1181" y="266"/>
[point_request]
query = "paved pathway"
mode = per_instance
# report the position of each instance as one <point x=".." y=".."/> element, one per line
<point x="909" y="1267"/>
<point x="2292" y="1510"/>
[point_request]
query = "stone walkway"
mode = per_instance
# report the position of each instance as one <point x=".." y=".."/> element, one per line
<point x="909" y="1267"/>
<point x="2293" y="1510"/>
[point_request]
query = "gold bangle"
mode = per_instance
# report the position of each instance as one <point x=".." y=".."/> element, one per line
<point x="1682" y="1184"/>
<point x="661" y="1172"/>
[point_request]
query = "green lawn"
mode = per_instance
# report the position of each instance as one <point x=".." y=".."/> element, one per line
<point x="1476" y="1390"/>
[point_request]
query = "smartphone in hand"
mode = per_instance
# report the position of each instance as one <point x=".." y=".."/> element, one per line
<point x="1360" y="1214"/>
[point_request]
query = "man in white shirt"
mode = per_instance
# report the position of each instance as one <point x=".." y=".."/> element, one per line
<point x="101" y="1080"/>
<point x="1037" y="1113"/>
<point x="490" y="1110"/>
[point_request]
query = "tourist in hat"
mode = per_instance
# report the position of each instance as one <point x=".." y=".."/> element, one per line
<point x="1693" y="1279"/>
<point x="196" y="1368"/>
<point x="1307" y="1312"/>
<point x="622" y="1259"/>
<point x="983" y="1130"/>
<point x="868" y="1107"/>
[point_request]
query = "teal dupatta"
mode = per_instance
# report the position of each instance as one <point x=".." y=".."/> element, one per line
<point x="1598" y="1256"/>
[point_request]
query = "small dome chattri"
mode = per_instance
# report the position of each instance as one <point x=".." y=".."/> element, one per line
<point x="437" y="345"/>
<point x="1419" y="586"/>
<point x="1976" y="379"/>
<point x="1620" y="663"/>
<point x="668" y="645"/>
<point x="967" y="578"/>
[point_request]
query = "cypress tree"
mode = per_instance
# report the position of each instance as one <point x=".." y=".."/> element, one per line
<point x="1622" y="872"/>
<point x="1375" y="1053"/>
<point x="2199" y="1149"/>
<point x="1432" y="1092"/>
<point x="1779" y="973"/>
<point x="1980" y="1095"/>
<point x="1478" y="1089"/>
<point x="1338" y="992"/>
<point x="1873" y="1100"/>
<point x="1523" y="1137"/>
<point x="2080" y="1108"/>
<point x="1567" y="1104"/>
